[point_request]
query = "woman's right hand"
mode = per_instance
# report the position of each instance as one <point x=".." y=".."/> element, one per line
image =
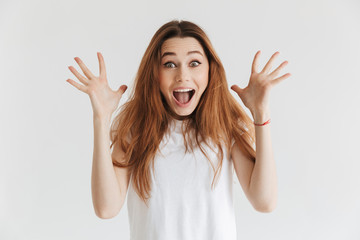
<point x="103" y="99"/>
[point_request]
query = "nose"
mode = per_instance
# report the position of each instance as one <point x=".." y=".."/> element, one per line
<point x="183" y="74"/>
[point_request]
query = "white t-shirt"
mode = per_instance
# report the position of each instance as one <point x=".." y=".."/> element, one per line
<point x="183" y="206"/>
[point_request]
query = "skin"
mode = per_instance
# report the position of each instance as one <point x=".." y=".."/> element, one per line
<point x="104" y="100"/>
<point x="183" y="69"/>
<point x="259" y="179"/>
<point x="108" y="182"/>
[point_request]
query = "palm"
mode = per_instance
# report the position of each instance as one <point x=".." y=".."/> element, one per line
<point x="255" y="95"/>
<point x="104" y="100"/>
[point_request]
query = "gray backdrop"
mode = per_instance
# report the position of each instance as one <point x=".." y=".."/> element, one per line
<point x="46" y="128"/>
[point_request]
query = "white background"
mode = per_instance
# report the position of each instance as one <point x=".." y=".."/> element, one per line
<point x="46" y="128"/>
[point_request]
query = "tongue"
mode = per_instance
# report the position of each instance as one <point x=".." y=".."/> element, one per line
<point x="182" y="97"/>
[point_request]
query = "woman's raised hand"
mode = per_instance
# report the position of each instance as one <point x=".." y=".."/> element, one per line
<point x="255" y="95"/>
<point x="103" y="99"/>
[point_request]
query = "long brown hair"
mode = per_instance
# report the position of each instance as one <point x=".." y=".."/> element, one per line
<point x="143" y="120"/>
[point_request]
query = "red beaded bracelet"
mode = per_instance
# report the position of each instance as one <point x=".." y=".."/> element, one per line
<point x="268" y="121"/>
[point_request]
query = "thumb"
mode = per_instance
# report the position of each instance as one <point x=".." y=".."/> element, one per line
<point x="237" y="89"/>
<point x="122" y="89"/>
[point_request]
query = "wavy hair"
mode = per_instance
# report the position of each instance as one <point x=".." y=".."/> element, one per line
<point x="144" y="119"/>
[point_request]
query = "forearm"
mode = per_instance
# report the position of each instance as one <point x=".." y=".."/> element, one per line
<point x="263" y="184"/>
<point x="104" y="186"/>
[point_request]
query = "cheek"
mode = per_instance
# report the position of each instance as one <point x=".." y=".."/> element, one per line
<point x="203" y="79"/>
<point x="163" y="77"/>
<point x="163" y="83"/>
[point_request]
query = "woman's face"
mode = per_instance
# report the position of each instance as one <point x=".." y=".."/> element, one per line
<point x="183" y="73"/>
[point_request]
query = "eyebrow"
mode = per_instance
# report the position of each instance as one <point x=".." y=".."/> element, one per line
<point x="172" y="53"/>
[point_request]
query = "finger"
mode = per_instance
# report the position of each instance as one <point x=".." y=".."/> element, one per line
<point x="283" y="77"/>
<point x="77" y="85"/>
<point x="269" y="64"/>
<point x="276" y="71"/>
<point x="255" y="64"/>
<point x="102" y="69"/>
<point x="122" y="89"/>
<point x="236" y="88"/>
<point x="81" y="78"/>
<point x="85" y="70"/>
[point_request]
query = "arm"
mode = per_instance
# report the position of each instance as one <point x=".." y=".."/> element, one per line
<point x="108" y="183"/>
<point x="107" y="199"/>
<point x="263" y="183"/>
<point x="258" y="180"/>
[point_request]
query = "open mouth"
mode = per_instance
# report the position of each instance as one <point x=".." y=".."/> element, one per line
<point x="183" y="96"/>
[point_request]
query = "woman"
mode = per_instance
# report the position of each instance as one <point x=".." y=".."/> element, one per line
<point x="180" y="129"/>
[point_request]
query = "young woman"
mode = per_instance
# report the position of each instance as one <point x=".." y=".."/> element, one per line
<point x="178" y="139"/>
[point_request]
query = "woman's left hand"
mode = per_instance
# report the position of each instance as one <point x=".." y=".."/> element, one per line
<point x="255" y="95"/>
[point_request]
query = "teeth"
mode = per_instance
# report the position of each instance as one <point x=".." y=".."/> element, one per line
<point x="183" y="90"/>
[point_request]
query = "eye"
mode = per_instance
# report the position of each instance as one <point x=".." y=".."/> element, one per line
<point x="169" y="64"/>
<point x="197" y="63"/>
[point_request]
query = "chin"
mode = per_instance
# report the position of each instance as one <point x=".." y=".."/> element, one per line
<point x="181" y="113"/>
<point x="184" y="113"/>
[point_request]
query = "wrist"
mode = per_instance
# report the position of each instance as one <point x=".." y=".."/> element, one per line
<point x="102" y="119"/>
<point x="261" y="116"/>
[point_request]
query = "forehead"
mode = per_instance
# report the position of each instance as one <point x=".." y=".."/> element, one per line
<point x="177" y="44"/>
